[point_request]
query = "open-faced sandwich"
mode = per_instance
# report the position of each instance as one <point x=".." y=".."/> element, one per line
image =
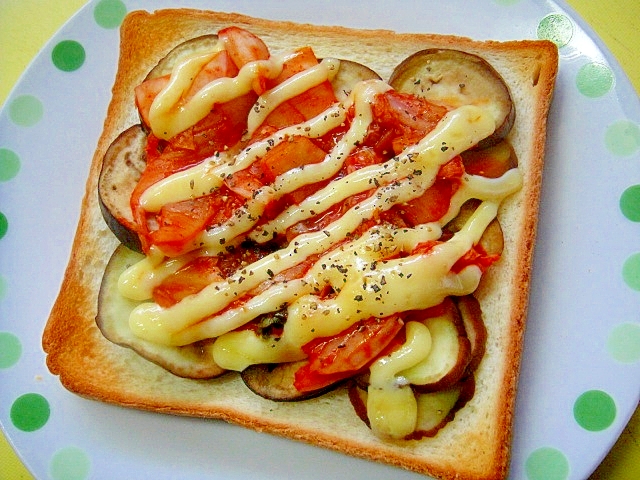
<point x="317" y="232"/>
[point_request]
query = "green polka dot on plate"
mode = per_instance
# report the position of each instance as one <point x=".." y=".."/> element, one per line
<point x="109" y="13"/>
<point x="4" y="225"/>
<point x="25" y="110"/>
<point x="30" y="412"/>
<point x="594" y="410"/>
<point x="70" y="463"/>
<point x="630" y="203"/>
<point x="10" y="349"/>
<point x="594" y="80"/>
<point x="9" y="164"/>
<point x="624" y="343"/>
<point x="557" y="28"/>
<point x="3" y="287"/>
<point x="631" y="271"/>
<point x="68" y="55"/>
<point x="622" y="138"/>
<point x="547" y="463"/>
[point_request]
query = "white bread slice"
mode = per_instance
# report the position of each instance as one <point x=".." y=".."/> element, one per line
<point x="476" y="444"/>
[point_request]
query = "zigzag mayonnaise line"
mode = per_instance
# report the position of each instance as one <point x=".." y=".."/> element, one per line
<point x="411" y="282"/>
<point x="349" y="254"/>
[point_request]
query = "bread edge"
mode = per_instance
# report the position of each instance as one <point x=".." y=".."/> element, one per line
<point x="73" y="343"/>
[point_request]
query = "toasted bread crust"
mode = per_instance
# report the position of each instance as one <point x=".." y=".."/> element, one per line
<point x="476" y="444"/>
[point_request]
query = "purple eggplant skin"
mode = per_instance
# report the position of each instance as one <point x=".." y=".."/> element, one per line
<point x="122" y="167"/>
<point x="181" y="51"/>
<point x="189" y="361"/>
<point x="458" y="78"/>
<point x="349" y="74"/>
<point x="275" y="382"/>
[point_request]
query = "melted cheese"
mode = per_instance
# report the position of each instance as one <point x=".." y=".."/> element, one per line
<point x="297" y="84"/>
<point x="170" y="114"/>
<point x="375" y="275"/>
<point x="415" y="169"/>
<point x="179" y="83"/>
<point x="458" y="130"/>
<point x="392" y="407"/>
<point x="206" y="176"/>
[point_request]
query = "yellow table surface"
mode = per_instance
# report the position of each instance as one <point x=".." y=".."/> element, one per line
<point x="25" y="25"/>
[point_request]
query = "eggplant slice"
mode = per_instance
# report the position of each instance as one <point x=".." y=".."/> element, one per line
<point x="275" y="382"/>
<point x="190" y="361"/>
<point x="492" y="240"/>
<point x="460" y="77"/>
<point x="437" y="406"/>
<point x="457" y="78"/>
<point x="474" y="326"/>
<point x="349" y="74"/>
<point x="185" y="49"/>
<point x="122" y="167"/>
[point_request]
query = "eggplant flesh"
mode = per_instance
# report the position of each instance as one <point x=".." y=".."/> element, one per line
<point x="474" y="326"/>
<point x="189" y="361"/>
<point x="449" y="356"/>
<point x="185" y="49"/>
<point x="437" y="406"/>
<point x="492" y="239"/>
<point x="349" y="74"/>
<point x="122" y="167"/>
<point x="435" y="409"/>
<point x="455" y="78"/>
<point x="276" y="382"/>
<point x="125" y="158"/>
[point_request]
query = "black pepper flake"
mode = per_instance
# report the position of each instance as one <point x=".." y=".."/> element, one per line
<point x="270" y="272"/>
<point x="341" y="268"/>
<point x="358" y="298"/>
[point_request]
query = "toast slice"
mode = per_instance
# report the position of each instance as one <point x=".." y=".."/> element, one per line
<point x="476" y="444"/>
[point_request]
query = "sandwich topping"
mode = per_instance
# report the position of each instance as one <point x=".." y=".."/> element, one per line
<point x="289" y="218"/>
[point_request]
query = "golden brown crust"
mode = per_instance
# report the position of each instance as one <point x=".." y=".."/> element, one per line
<point x="476" y="444"/>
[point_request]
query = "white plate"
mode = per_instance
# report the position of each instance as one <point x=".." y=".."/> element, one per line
<point x="580" y="377"/>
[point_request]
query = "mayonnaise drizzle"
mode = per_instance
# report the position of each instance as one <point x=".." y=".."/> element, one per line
<point x="375" y="275"/>
<point x="170" y="114"/>
<point x="417" y="165"/>
<point x="203" y="178"/>
<point x="291" y="87"/>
